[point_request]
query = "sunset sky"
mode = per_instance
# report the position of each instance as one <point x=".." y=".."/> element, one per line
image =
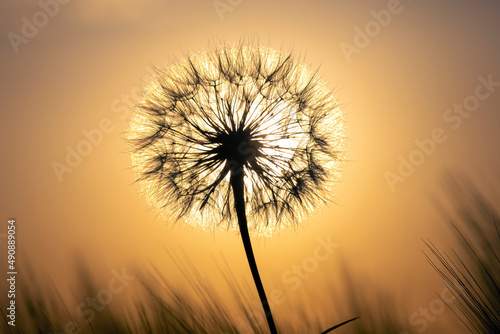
<point x="420" y="86"/>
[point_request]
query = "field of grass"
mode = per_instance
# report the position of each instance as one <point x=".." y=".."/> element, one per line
<point x="470" y="268"/>
<point x="159" y="307"/>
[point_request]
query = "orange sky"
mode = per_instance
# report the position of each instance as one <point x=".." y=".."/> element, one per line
<point x="397" y="83"/>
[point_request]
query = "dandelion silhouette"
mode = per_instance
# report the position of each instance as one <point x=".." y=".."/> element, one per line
<point x="240" y="137"/>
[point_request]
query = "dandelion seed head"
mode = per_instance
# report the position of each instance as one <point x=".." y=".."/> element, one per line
<point x="237" y="109"/>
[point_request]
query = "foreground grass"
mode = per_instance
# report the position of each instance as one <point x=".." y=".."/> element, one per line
<point x="158" y="306"/>
<point x="472" y="269"/>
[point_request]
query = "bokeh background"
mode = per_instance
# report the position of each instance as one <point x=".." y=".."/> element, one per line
<point x="85" y="65"/>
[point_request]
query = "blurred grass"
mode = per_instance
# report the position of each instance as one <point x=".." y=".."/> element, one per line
<point x="377" y="310"/>
<point x="156" y="305"/>
<point x="158" y="308"/>
<point x="471" y="270"/>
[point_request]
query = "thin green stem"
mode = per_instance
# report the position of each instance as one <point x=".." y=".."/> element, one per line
<point x="237" y="183"/>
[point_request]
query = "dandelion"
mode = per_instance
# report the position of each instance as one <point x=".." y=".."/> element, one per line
<point x="240" y="137"/>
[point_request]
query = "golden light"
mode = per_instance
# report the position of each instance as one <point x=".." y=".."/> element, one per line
<point x="290" y="127"/>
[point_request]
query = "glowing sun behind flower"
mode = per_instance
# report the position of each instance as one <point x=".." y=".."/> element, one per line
<point x="233" y="105"/>
<point x="236" y="131"/>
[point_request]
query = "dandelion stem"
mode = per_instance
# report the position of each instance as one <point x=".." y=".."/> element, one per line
<point x="237" y="183"/>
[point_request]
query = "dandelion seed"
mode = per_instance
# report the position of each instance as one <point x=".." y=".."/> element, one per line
<point x="240" y="137"/>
